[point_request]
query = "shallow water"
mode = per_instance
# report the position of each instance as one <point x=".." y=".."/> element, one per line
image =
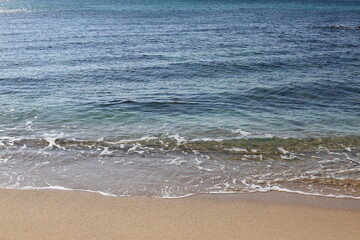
<point x="171" y="98"/>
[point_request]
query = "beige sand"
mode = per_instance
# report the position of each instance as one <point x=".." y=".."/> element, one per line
<point x="70" y="215"/>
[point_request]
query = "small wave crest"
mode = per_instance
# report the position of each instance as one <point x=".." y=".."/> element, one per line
<point x="13" y="11"/>
<point x="274" y="146"/>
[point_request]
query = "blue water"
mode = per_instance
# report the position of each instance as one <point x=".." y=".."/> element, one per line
<point x="118" y="71"/>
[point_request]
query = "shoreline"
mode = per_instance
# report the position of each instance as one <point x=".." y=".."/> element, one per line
<point x="273" y="196"/>
<point x="51" y="214"/>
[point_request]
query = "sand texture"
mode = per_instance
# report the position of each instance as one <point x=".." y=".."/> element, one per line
<point x="34" y="214"/>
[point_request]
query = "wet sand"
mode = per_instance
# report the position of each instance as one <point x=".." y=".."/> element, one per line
<point x="40" y="214"/>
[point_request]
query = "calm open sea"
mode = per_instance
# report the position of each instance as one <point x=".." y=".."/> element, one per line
<point x="169" y="98"/>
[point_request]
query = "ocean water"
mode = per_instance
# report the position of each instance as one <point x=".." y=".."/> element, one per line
<point x="168" y="98"/>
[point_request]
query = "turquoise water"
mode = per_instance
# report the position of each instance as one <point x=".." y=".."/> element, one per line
<point x="171" y="98"/>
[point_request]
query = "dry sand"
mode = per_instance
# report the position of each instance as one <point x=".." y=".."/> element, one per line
<point x="34" y="214"/>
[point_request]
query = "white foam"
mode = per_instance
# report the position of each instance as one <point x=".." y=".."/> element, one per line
<point x="207" y="139"/>
<point x="258" y="188"/>
<point x="234" y="149"/>
<point x="118" y="162"/>
<point x="133" y="148"/>
<point x="288" y="157"/>
<point x="61" y="188"/>
<point x="348" y="149"/>
<point x="10" y="11"/>
<point x="29" y="125"/>
<point x="105" y="151"/>
<point x="282" y="150"/>
<point x="167" y="195"/>
<point x="51" y="138"/>
<point x="242" y="132"/>
<point x="200" y="164"/>
<point x="279" y="189"/>
<point x="146" y="138"/>
<point x="177" y="161"/>
<point x="178" y="139"/>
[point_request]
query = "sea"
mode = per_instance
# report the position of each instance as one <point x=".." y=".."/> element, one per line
<point x="170" y="98"/>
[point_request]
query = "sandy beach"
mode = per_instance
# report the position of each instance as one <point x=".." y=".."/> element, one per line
<point x="40" y="214"/>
